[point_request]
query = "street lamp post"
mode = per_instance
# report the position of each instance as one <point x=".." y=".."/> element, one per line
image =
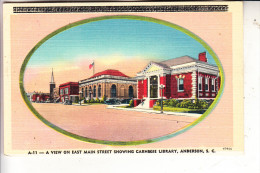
<point x="161" y="87"/>
<point x="80" y="92"/>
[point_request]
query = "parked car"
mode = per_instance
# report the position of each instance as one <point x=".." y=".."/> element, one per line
<point x="112" y="101"/>
<point x="67" y="102"/>
<point x="57" y="100"/>
<point x="125" y="101"/>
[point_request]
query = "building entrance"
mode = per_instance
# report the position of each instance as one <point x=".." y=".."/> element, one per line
<point x="113" y="91"/>
<point x="153" y="86"/>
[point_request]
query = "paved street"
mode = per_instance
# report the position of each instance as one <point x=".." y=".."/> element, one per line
<point x="98" y="122"/>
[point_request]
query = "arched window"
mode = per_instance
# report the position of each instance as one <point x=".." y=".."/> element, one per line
<point x="99" y="90"/>
<point x="86" y="92"/>
<point x="94" y="91"/>
<point x="131" y="92"/>
<point x="90" y="92"/>
<point x="82" y="92"/>
<point x="113" y="91"/>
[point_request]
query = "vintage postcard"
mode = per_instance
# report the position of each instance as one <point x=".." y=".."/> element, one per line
<point x="114" y="78"/>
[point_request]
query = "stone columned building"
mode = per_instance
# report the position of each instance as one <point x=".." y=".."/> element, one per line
<point x="110" y="84"/>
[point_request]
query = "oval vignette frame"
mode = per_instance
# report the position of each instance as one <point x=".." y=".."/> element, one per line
<point x="131" y="17"/>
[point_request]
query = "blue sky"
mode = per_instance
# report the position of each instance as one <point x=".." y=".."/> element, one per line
<point x="124" y="37"/>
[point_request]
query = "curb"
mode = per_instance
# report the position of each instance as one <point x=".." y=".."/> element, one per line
<point x="156" y="112"/>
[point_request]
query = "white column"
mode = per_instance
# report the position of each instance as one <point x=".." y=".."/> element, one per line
<point x="137" y="89"/>
<point x="194" y="83"/>
<point x="148" y="91"/>
<point x="158" y="93"/>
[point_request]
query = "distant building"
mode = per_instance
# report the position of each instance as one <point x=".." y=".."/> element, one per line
<point x="108" y="83"/>
<point x="183" y="78"/>
<point x="52" y="86"/>
<point x="69" y="91"/>
<point x="56" y="94"/>
<point x="40" y="97"/>
<point x="29" y="96"/>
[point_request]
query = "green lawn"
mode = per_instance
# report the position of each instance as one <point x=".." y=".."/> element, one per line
<point x="124" y="106"/>
<point x="174" y="109"/>
<point x="87" y="103"/>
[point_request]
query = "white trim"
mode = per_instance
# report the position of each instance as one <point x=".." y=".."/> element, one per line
<point x="182" y="68"/>
<point x="194" y="82"/>
<point x="110" y="77"/>
<point x="137" y="89"/>
<point x="158" y="89"/>
<point x="148" y="90"/>
<point x="108" y="81"/>
<point x="149" y="65"/>
<point x="153" y="73"/>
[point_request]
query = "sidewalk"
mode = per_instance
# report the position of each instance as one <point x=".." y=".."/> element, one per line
<point x="80" y="105"/>
<point x="154" y="111"/>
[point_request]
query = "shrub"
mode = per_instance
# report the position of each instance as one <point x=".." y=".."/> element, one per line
<point x="76" y="99"/>
<point x="97" y="100"/>
<point x="166" y="102"/>
<point x="186" y="103"/>
<point x="131" y="103"/>
<point x="92" y="101"/>
<point x="158" y="103"/>
<point x="191" y="107"/>
<point x="173" y="102"/>
<point x="103" y="99"/>
<point x="201" y="104"/>
<point x="204" y="104"/>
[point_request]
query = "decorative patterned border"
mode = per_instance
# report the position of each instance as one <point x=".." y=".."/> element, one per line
<point x="149" y="19"/>
<point x="96" y="9"/>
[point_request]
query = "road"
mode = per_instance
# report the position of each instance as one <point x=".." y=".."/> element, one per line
<point x="98" y="122"/>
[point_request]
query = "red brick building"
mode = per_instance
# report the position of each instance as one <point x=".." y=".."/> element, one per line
<point x="40" y="97"/>
<point x="183" y="78"/>
<point x="69" y="91"/>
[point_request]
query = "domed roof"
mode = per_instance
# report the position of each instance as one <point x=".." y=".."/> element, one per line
<point x="109" y="72"/>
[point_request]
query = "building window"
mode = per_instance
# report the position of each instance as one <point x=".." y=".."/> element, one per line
<point x="213" y="85"/>
<point x="180" y="84"/>
<point x="206" y="84"/>
<point x="200" y="83"/>
<point x="86" y="92"/>
<point x="131" y="92"/>
<point x="94" y="91"/>
<point x="99" y="90"/>
<point x="61" y="92"/>
<point x="66" y="90"/>
<point x="113" y="91"/>
<point x="90" y="92"/>
<point x="82" y="94"/>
